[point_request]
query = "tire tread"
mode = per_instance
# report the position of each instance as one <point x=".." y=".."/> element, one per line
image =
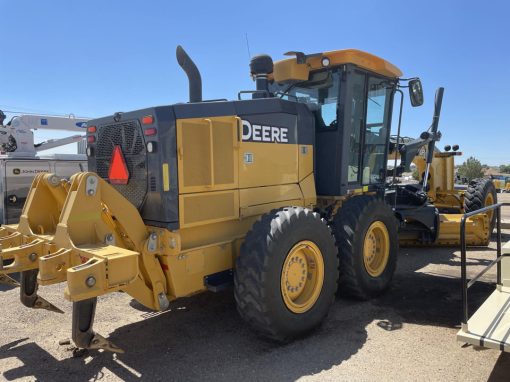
<point x="252" y="267"/>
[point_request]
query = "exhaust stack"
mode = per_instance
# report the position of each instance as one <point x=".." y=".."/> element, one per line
<point x="260" y="68"/>
<point x="191" y="70"/>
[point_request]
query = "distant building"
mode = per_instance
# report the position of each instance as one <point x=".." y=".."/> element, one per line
<point x="493" y="171"/>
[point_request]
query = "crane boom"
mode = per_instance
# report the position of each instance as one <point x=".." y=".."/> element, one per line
<point x="18" y="136"/>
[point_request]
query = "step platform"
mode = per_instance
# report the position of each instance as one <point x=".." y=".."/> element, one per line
<point x="489" y="326"/>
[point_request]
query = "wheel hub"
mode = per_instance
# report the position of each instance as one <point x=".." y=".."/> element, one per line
<point x="302" y="276"/>
<point x="296" y="273"/>
<point x="376" y="249"/>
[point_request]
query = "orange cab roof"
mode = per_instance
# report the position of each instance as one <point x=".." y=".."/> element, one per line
<point x="290" y="70"/>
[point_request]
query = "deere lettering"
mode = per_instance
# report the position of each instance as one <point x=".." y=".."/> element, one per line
<point x="263" y="133"/>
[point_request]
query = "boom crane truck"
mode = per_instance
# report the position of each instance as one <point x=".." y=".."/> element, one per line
<point x="282" y="195"/>
<point x="21" y="158"/>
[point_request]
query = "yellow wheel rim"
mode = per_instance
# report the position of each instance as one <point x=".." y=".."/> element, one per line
<point x="489" y="199"/>
<point x="302" y="277"/>
<point x="376" y="248"/>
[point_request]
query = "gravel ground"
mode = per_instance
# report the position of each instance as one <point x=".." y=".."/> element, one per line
<point x="408" y="334"/>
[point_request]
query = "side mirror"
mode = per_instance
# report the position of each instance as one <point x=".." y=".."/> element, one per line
<point x="416" y="92"/>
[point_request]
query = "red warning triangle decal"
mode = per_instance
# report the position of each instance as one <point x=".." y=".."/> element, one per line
<point x="118" y="173"/>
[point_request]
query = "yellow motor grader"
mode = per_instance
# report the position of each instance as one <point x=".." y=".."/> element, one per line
<point x="283" y="196"/>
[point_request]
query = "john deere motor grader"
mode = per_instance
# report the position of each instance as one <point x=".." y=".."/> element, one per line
<point x="284" y="195"/>
<point x="438" y="193"/>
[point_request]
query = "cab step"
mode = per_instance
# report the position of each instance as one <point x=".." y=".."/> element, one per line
<point x="220" y="281"/>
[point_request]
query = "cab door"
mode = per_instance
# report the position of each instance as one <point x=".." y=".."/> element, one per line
<point x="368" y="118"/>
<point x="376" y="131"/>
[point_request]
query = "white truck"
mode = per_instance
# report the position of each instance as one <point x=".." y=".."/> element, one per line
<point x="20" y="160"/>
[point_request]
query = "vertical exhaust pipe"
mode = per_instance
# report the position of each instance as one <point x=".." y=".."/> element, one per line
<point x="191" y="70"/>
<point x="261" y="67"/>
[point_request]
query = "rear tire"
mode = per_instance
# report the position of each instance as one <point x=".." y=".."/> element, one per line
<point x="367" y="238"/>
<point x="286" y="274"/>
<point x="481" y="193"/>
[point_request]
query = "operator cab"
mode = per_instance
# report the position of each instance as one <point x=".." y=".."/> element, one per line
<point x="350" y="94"/>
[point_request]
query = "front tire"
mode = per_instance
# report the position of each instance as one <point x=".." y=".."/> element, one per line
<point x="366" y="233"/>
<point x="286" y="275"/>
<point x="481" y="193"/>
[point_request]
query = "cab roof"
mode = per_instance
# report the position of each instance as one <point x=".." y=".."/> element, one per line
<point x="290" y="70"/>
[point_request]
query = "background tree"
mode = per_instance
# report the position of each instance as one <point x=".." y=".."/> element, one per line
<point x="471" y="169"/>
<point x="505" y="168"/>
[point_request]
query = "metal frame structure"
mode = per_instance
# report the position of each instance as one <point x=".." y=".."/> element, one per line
<point x="465" y="283"/>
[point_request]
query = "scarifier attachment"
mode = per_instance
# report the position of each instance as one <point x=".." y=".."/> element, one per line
<point x="6" y="280"/>
<point x="28" y="293"/>
<point x="82" y="232"/>
<point x="83" y="334"/>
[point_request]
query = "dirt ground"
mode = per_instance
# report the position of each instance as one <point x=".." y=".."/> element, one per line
<point x="408" y="334"/>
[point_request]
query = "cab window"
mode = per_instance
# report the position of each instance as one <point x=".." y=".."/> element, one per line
<point x="376" y="131"/>
<point x="357" y="116"/>
<point x="320" y="93"/>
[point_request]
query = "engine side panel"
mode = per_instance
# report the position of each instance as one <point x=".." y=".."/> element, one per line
<point x="203" y="154"/>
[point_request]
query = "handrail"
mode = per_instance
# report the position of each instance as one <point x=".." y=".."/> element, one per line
<point x="465" y="284"/>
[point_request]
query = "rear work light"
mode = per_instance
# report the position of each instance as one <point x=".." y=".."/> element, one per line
<point x="118" y="173"/>
<point x="148" y="120"/>
<point x="151" y="147"/>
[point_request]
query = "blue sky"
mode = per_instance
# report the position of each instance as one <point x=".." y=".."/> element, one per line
<point x="93" y="58"/>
